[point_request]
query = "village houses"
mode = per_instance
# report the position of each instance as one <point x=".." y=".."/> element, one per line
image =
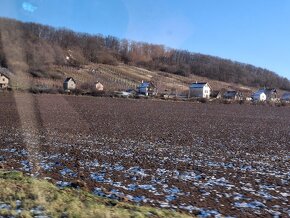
<point x="265" y="94"/>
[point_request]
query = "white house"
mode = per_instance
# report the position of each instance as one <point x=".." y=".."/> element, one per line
<point x="259" y="95"/>
<point x="4" y="78"/>
<point x="199" y="90"/>
<point x="99" y="86"/>
<point x="146" y="88"/>
<point x="69" y="84"/>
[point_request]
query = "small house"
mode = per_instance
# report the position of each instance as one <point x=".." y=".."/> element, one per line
<point x="69" y="84"/>
<point x="286" y="97"/>
<point x="233" y="95"/>
<point x="259" y="95"/>
<point x="4" y="78"/>
<point x="199" y="90"/>
<point x="271" y="94"/>
<point x="147" y="89"/>
<point x="99" y="86"/>
<point x="4" y="81"/>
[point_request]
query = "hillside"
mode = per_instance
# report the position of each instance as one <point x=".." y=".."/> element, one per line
<point x="43" y="55"/>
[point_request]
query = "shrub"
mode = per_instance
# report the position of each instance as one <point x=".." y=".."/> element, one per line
<point x="41" y="89"/>
<point x="225" y="101"/>
<point x="38" y="73"/>
<point x="77" y="92"/>
<point x="98" y="93"/>
<point x="203" y="100"/>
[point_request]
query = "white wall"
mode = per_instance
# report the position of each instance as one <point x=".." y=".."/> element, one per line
<point x="206" y="91"/>
<point x="200" y="92"/>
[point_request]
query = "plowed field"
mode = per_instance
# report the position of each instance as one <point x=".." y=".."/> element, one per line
<point x="204" y="159"/>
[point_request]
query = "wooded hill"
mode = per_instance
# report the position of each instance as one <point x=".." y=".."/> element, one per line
<point x="33" y="48"/>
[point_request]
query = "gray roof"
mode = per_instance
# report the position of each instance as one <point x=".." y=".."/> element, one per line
<point x="145" y="85"/>
<point x="5" y="72"/>
<point x="230" y="93"/>
<point x="259" y="92"/>
<point x="198" y="85"/>
<point x="68" y="79"/>
<point x="286" y="95"/>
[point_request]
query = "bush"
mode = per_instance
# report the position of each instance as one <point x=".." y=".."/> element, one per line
<point x="225" y="101"/>
<point x="203" y="100"/>
<point x="76" y="92"/>
<point x="38" y="73"/>
<point x="39" y="89"/>
<point x="182" y="72"/>
<point x="98" y="93"/>
<point x="55" y="75"/>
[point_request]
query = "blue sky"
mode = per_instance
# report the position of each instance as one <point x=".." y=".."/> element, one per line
<point x="250" y="31"/>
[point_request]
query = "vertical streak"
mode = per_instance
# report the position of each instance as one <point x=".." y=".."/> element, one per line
<point x="13" y="44"/>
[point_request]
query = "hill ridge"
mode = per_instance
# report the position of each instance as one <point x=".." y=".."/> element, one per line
<point x="42" y="47"/>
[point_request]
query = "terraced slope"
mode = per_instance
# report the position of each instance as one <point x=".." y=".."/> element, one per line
<point x="122" y="77"/>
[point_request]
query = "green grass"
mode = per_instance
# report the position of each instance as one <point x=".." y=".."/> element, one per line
<point x="55" y="202"/>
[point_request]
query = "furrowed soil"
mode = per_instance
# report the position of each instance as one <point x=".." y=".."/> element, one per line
<point x="202" y="159"/>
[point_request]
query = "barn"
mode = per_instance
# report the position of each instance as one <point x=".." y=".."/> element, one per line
<point x="199" y="90"/>
<point x="69" y="84"/>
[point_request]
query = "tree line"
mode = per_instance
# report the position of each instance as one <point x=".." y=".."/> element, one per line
<point x="44" y="45"/>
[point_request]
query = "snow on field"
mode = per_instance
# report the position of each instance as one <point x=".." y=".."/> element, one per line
<point x="206" y="169"/>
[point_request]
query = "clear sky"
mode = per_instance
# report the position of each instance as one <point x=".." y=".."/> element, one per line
<point x="250" y="31"/>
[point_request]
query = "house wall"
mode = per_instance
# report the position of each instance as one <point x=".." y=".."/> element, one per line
<point x="263" y="97"/>
<point x="206" y="91"/>
<point x="4" y="81"/>
<point x="143" y="90"/>
<point x="196" y="92"/>
<point x="199" y="92"/>
<point x="69" y="85"/>
<point x="99" y="87"/>
<point x="260" y="97"/>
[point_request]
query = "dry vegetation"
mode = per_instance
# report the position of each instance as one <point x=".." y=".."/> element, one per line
<point x="203" y="159"/>
<point x="38" y="54"/>
<point x="39" y="198"/>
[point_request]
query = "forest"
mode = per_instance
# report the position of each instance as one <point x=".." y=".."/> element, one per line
<point x="41" y="46"/>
